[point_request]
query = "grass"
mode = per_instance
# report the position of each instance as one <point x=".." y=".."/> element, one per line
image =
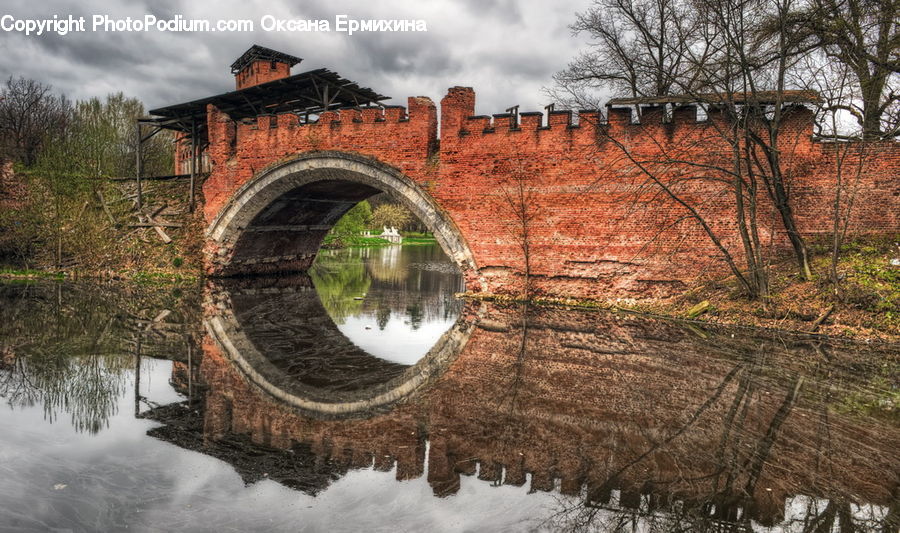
<point x="14" y="273"/>
<point x="414" y="241"/>
<point x="866" y="298"/>
<point x="358" y="241"/>
<point x="352" y="241"/>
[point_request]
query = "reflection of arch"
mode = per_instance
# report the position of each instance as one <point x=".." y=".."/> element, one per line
<point x="277" y="220"/>
<point x="335" y="377"/>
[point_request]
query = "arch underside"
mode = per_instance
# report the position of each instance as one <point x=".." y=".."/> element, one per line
<point x="276" y="222"/>
<point x="286" y="235"/>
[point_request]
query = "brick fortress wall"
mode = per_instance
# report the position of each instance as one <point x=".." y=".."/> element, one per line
<point x="595" y="228"/>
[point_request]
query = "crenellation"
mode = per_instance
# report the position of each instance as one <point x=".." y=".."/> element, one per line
<point x="478" y="124"/>
<point x="618" y="117"/>
<point x="370" y="115"/>
<point x="350" y="116"/>
<point x="589" y="117"/>
<point x="327" y="117"/>
<point x="560" y="118"/>
<point x="685" y="114"/>
<point x="530" y="120"/>
<point x="503" y="122"/>
<point x="394" y="113"/>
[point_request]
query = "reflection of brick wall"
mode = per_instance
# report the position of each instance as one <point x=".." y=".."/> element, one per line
<point x="605" y="402"/>
<point x="593" y="233"/>
<point x="12" y="190"/>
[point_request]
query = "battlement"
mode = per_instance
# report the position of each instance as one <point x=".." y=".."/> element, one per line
<point x="459" y="120"/>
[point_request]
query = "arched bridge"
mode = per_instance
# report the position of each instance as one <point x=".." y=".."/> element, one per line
<point x="276" y="221"/>
<point x="562" y="186"/>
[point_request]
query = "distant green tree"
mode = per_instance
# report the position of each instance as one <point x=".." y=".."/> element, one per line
<point x="70" y="169"/>
<point x="392" y="216"/>
<point x="354" y="222"/>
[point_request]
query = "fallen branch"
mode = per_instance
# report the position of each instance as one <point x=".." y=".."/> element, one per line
<point x="106" y="210"/>
<point x="699" y="309"/>
<point x="151" y="223"/>
<point x="822" y="318"/>
<point x="156" y="224"/>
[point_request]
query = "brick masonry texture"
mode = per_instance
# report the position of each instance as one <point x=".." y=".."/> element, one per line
<point x="596" y="230"/>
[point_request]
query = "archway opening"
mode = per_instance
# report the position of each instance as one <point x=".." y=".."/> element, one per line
<point x="277" y="221"/>
<point x="385" y="282"/>
<point x="393" y="301"/>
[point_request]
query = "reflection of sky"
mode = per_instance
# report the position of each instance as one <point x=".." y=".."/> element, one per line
<point x="398" y="342"/>
<point x="394" y="302"/>
<point x="54" y="477"/>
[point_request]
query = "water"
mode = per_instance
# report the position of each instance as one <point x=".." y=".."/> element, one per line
<point x="289" y="404"/>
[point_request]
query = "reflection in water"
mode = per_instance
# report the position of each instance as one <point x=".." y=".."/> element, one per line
<point x="278" y="333"/>
<point x="531" y="418"/>
<point x="67" y="347"/>
<point x="635" y="422"/>
<point x="394" y="301"/>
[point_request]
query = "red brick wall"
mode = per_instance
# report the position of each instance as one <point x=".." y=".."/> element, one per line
<point x="594" y="230"/>
<point x="239" y="151"/>
<point x="261" y="72"/>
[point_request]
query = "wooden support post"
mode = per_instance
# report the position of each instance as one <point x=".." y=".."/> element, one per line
<point x="194" y="146"/>
<point x="137" y="377"/>
<point x="190" y="367"/>
<point x="137" y="165"/>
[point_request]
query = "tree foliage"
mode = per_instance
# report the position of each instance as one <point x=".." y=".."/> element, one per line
<point x="392" y="216"/>
<point x="354" y="221"/>
<point x="67" y="169"/>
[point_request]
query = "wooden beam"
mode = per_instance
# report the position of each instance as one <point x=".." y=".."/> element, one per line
<point x="137" y="165"/>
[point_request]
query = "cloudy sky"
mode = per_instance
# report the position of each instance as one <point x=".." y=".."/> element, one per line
<point x="506" y="49"/>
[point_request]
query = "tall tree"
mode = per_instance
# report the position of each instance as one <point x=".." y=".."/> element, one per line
<point x="640" y="49"/>
<point x="864" y="35"/>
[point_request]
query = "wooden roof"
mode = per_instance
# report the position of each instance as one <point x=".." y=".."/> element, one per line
<point x="311" y="92"/>
<point x="261" y="53"/>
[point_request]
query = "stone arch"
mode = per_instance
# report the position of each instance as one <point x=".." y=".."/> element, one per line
<point x="277" y="220"/>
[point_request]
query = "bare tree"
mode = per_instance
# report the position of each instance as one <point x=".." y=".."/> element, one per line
<point x="640" y="50"/>
<point x="696" y="187"/>
<point x="29" y="114"/>
<point x="746" y="77"/>
<point x="516" y="190"/>
<point x="727" y="57"/>
<point x="863" y="35"/>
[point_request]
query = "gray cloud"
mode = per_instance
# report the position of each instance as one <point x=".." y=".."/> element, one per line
<point x="507" y="50"/>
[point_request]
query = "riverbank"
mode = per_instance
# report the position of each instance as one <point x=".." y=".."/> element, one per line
<point x="864" y="305"/>
<point x="140" y="276"/>
<point x="334" y="242"/>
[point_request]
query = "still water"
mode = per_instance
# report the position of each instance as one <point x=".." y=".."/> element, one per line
<point x="365" y="397"/>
